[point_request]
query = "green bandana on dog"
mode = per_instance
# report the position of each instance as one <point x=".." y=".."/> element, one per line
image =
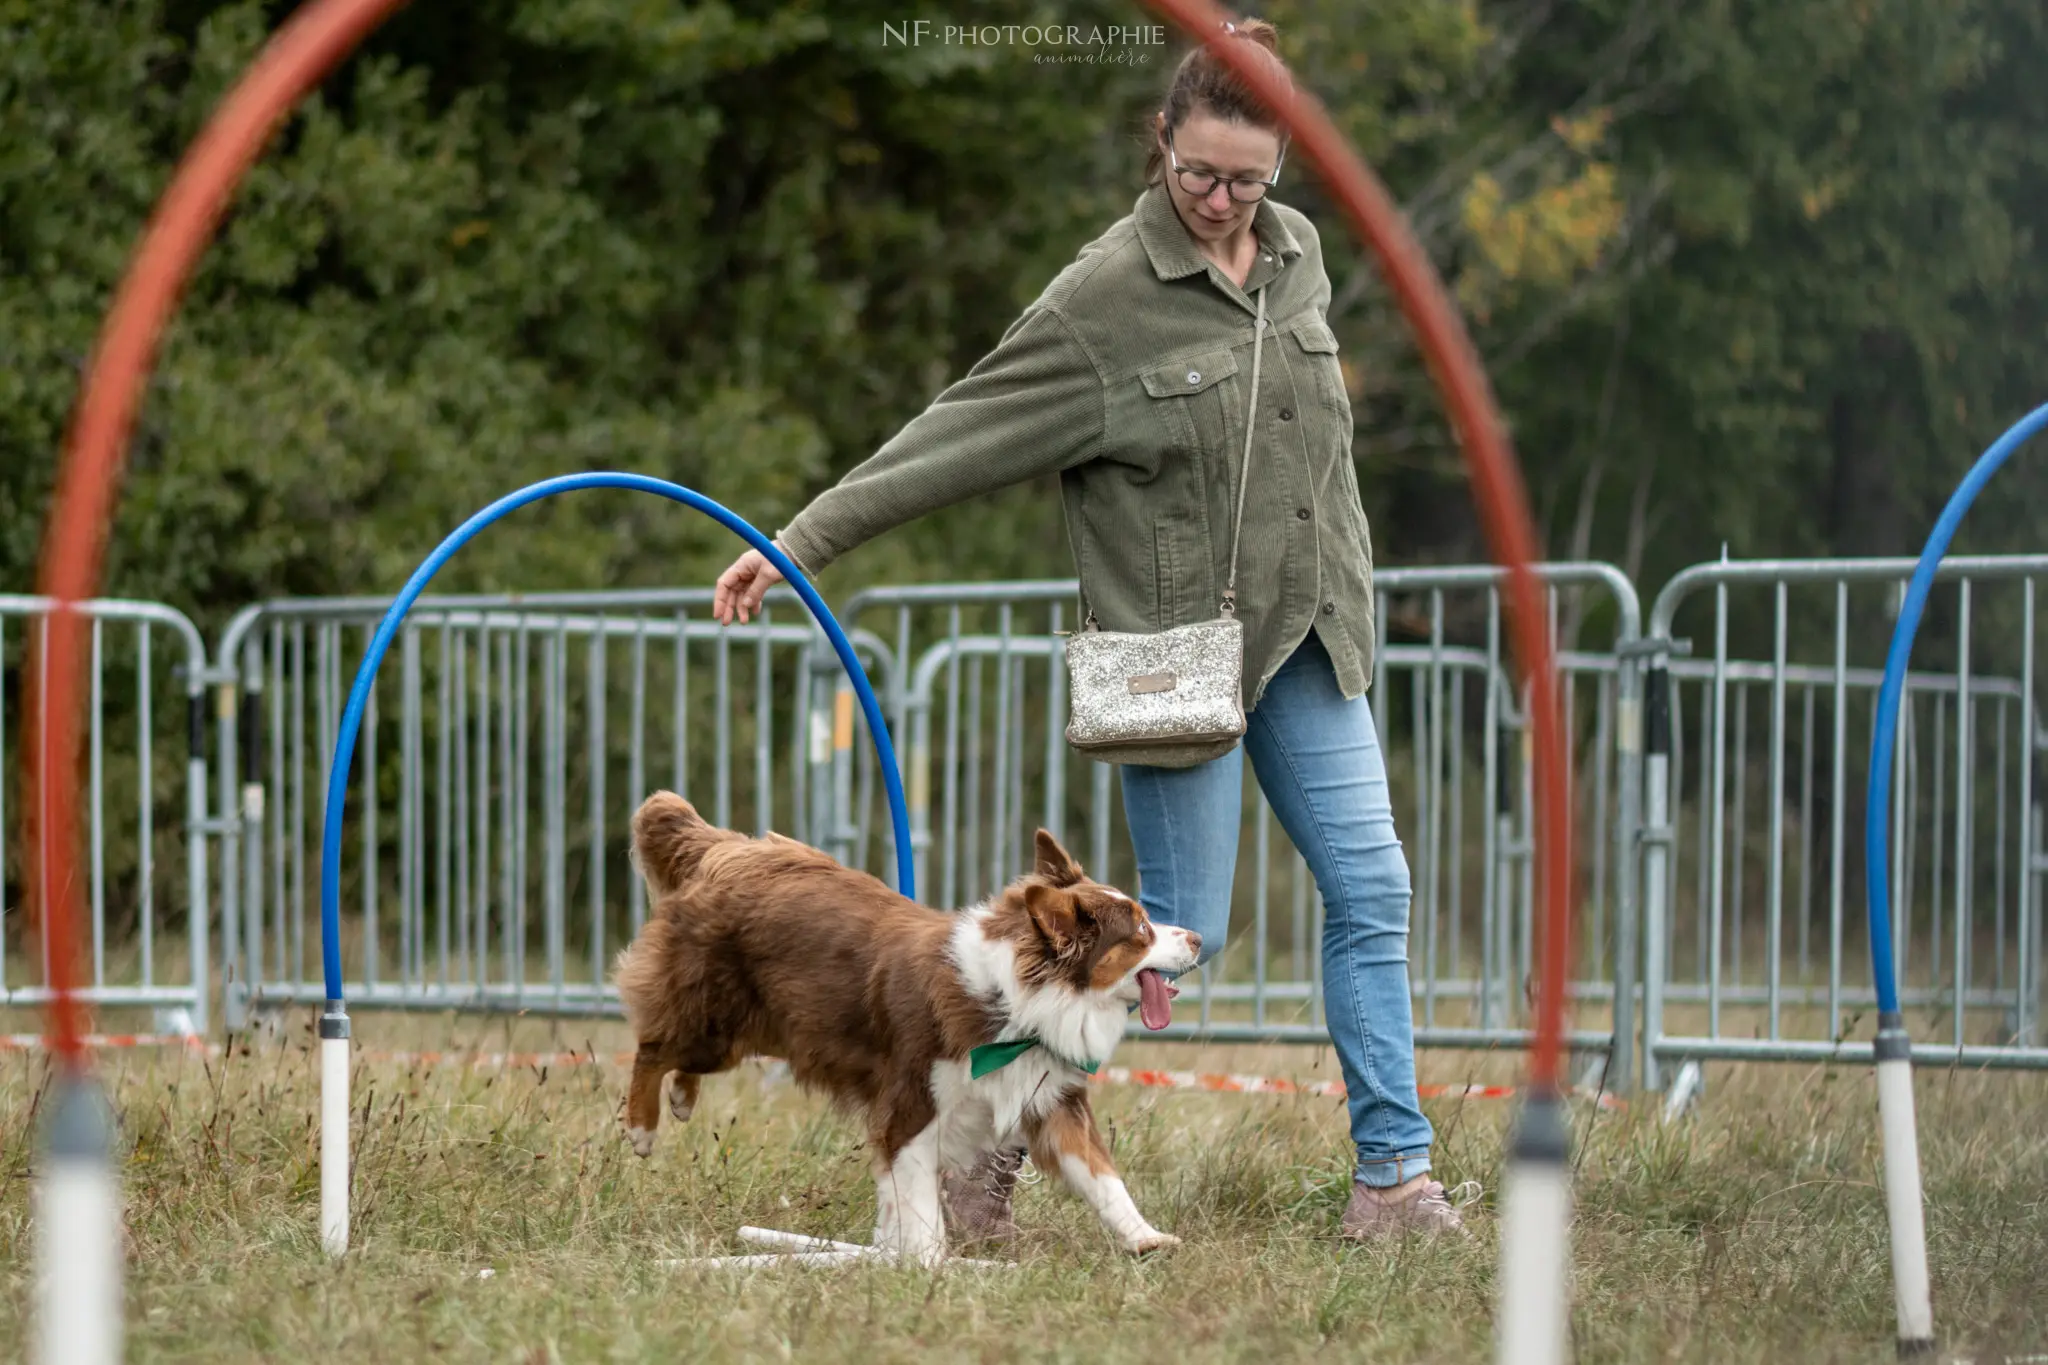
<point x="995" y="1056"/>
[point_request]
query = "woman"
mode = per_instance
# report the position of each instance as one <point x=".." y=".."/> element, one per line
<point x="1130" y="377"/>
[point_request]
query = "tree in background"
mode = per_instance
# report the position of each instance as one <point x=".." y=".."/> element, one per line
<point x="737" y="247"/>
<point x="1771" y="282"/>
<point x="1741" y="271"/>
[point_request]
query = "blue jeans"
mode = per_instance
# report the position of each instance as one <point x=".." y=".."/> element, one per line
<point x="1318" y="760"/>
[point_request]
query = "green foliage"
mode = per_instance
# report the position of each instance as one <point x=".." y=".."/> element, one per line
<point x="1744" y="272"/>
<point x="734" y="246"/>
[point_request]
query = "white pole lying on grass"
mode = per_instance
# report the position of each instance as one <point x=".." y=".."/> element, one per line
<point x="334" y="1129"/>
<point x="78" y="1231"/>
<point x="796" y="1241"/>
<point x="793" y="1248"/>
<point x="1534" y="1308"/>
<point x="798" y="1244"/>
<point x="769" y="1260"/>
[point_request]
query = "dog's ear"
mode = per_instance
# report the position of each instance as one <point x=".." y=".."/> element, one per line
<point x="1057" y="914"/>
<point x="1055" y="864"/>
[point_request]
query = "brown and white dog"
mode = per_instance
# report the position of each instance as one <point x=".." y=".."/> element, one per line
<point x="767" y="947"/>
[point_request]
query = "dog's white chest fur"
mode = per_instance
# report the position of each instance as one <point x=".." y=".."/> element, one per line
<point x="978" y="1113"/>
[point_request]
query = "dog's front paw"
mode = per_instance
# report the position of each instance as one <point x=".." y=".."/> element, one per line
<point x="642" y="1140"/>
<point x="1149" y="1241"/>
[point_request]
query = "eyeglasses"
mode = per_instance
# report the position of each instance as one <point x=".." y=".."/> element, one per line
<point x="1202" y="184"/>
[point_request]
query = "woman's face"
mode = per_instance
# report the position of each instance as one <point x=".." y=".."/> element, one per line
<point x="1217" y="146"/>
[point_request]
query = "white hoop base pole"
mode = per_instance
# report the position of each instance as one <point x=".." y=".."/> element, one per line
<point x="796" y="1241"/>
<point x="795" y="1249"/>
<point x="771" y="1260"/>
<point x="1533" y="1319"/>
<point x="334" y="1129"/>
<point x="77" y="1205"/>
<point x="1904" y="1209"/>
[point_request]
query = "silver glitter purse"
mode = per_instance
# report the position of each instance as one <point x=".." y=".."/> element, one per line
<point x="1167" y="698"/>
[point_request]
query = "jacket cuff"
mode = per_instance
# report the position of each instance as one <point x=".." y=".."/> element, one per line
<point x="804" y="551"/>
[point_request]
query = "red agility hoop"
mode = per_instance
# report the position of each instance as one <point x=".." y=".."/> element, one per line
<point x="310" y="44"/>
<point x="316" y="39"/>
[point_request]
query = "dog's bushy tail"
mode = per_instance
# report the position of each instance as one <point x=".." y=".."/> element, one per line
<point x="669" y="842"/>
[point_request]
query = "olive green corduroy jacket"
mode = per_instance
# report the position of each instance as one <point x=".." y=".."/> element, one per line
<point x="1129" y="377"/>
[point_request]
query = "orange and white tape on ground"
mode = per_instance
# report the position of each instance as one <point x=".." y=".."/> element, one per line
<point x="495" y="1061"/>
<point x="1220" y="1083"/>
<point x="1215" y="1082"/>
<point x="33" y="1042"/>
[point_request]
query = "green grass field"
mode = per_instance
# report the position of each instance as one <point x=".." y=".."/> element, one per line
<point x="1752" y="1232"/>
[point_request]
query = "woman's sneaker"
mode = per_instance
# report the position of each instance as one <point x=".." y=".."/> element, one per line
<point x="1417" y="1205"/>
<point x="978" y="1199"/>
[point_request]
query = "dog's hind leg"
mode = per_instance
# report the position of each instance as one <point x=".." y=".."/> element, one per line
<point x="682" y="1095"/>
<point x="651" y="1064"/>
<point x="1066" y="1140"/>
<point x="689" y="1063"/>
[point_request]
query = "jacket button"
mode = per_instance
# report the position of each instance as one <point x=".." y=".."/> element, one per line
<point x="1287" y="414"/>
<point x="1301" y="513"/>
<point x="1194" y="376"/>
<point x="1329" y="608"/>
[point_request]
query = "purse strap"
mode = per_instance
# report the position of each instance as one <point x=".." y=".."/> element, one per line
<point x="1244" y="473"/>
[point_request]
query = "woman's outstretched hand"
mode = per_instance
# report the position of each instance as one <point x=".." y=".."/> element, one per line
<point x="741" y="588"/>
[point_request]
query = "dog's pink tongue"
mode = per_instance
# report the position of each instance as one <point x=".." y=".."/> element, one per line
<point x="1155" y="1000"/>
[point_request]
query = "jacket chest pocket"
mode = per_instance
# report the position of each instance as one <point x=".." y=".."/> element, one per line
<point x="1191" y="400"/>
<point x="1316" y="348"/>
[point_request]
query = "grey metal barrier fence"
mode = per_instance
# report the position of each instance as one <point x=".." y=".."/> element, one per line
<point x="505" y="752"/>
<point x="507" y="743"/>
<point x="979" y="719"/>
<point x="513" y="735"/>
<point x="1770" y="959"/>
<point x="145" y="936"/>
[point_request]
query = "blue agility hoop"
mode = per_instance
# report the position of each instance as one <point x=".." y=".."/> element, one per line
<point x="1892" y="1050"/>
<point x="1876" y="815"/>
<point x="394" y="617"/>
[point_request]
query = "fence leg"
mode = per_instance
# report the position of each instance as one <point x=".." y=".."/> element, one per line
<point x="844" y="817"/>
<point x="234" y="976"/>
<point x="1621" y="1070"/>
<point x="197" y="889"/>
<point x="1655" y="841"/>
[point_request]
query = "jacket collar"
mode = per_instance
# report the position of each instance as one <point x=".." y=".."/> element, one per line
<point x="1172" y="249"/>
